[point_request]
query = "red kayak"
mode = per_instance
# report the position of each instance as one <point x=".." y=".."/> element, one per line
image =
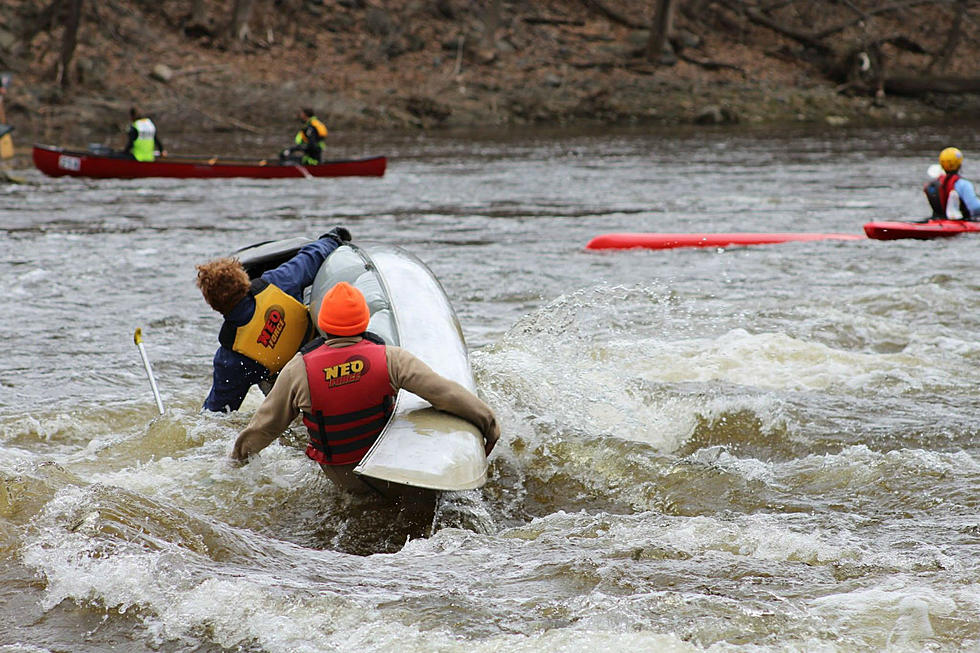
<point x="670" y="241"/>
<point x="919" y="230"/>
<point x="57" y="162"/>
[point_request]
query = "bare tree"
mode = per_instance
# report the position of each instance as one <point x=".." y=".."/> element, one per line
<point x="69" y="40"/>
<point x="945" y="54"/>
<point x="240" y="14"/>
<point x="663" y="21"/>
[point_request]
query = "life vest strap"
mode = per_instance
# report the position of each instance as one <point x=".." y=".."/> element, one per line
<point x="353" y="416"/>
<point x="352" y="439"/>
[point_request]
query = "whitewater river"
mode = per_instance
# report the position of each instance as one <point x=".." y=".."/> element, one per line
<point x="769" y="448"/>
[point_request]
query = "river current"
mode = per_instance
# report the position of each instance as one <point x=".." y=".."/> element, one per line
<point x="769" y="448"/>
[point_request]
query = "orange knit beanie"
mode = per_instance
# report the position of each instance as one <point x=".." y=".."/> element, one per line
<point x="343" y="311"/>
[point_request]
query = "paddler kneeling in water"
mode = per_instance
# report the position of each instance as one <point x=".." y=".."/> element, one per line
<point x="344" y="385"/>
<point x="266" y="321"/>
<point x="939" y="190"/>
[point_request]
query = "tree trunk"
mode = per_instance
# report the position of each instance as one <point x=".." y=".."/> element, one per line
<point x="239" y="19"/>
<point x="915" y="86"/>
<point x="663" y="20"/>
<point x="69" y="40"/>
<point x="199" y="12"/>
<point x="945" y="54"/>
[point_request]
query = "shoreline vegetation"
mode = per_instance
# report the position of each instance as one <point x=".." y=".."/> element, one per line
<point x="224" y="66"/>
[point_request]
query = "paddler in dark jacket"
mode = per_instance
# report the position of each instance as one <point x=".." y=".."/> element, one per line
<point x="309" y="142"/>
<point x="266" y="321"/>
<point x="938" y="190"/>
<point x="344" y="385"/>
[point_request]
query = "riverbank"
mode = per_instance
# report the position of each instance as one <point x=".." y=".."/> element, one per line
<point x="412" y="66"/>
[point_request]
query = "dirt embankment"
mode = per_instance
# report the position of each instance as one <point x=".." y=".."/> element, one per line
<point x="428" y="64"/>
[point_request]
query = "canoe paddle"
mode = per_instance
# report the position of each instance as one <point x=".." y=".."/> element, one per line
<point x="306" y="173"/>
<point x="138" y="339"/>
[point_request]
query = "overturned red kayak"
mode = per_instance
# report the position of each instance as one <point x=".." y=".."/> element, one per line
<point x="670" y="241"/>
<point x="58" y="162"/>
<point x="919" y="230"/>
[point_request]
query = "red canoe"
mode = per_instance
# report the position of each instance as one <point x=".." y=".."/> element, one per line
<point x="670" y="241"/>
<point x="56" y="162"/>
<point x="919" y="230"/>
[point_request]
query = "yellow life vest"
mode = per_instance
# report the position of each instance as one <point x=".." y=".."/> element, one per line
<point x="143" y="146"/>
<point x="278" y="328"/>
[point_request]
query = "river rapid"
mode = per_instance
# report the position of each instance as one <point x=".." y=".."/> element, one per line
<point x="768" y="448"/>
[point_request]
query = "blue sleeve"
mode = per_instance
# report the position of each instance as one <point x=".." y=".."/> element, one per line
<point x="298" y="272"/>
<point x="969" y="196"/>
<point x="234" y="375"/>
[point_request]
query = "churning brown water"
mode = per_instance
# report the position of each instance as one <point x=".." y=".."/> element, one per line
<point x="770" y="448"/>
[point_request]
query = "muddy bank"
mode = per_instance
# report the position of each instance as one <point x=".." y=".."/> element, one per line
<point x="417" y="65"/>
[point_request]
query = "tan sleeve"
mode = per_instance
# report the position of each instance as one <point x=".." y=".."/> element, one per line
<point x="289" y="396"/>
<point x="406" y="371"/>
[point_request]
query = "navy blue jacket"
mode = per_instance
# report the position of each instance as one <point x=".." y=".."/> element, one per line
<point x="235" y="374"/>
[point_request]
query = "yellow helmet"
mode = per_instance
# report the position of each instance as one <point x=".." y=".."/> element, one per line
<point x="951" y="159"/>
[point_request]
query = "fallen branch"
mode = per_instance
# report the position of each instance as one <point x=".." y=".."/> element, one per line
<point x="601" y="65"/>
<point x="915" y="85"/>
<point x="200" y="69"/>
<point x="613" y="15"/>
<point x="543" y="20"/>
<point x="711" y="65"/>
<point x="829" y="31"/>
<point x="809" y="40"/>
<point x="226" y="120"/>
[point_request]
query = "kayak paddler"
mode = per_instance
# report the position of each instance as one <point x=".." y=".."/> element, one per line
<point x="265" y="320"/>
<point x="309" y="144"/>
<point x="939" y="190"/>
<point x="142" y="142"/>
<point x="344" y="385"/>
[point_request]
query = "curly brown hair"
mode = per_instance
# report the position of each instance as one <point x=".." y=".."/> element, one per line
<point x="223" y="282"/>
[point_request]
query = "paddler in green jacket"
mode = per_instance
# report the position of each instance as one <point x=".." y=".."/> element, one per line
<point x="309" y="142"/>
<point x="142" y="142"/>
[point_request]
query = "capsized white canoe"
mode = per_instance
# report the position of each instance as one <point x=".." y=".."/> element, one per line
<point x="420" y="446"/>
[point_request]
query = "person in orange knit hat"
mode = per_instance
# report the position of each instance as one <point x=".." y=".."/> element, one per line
<point x="344" y="385"/>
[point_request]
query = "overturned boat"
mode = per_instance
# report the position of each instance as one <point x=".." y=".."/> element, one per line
<point x="419" y="446"/>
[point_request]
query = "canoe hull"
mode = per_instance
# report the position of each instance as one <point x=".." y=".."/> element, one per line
<point x="420" y="446"/>
<point x="671" y="241"/>
<point x="919" y="230"/>
<point x="58" y="162"/>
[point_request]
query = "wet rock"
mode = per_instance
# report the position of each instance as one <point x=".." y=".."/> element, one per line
<point x="7" y="40"/>
<point x="683" y="39"/>
<point x="446" y="9"/>
<point x="162" y="73"/>
<point x="427" y="109"/>
<point x="485" y="55"/>
<point x="92" y="71"/>
<point x="378" y="22"/>
<point x="714" y="114"/>
<point x="638" y="38"/>
<point x="7" y="178"/>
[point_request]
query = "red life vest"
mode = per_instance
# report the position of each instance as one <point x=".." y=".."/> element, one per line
<point x="946" y="183"/>
<point x="351" y="399"/>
